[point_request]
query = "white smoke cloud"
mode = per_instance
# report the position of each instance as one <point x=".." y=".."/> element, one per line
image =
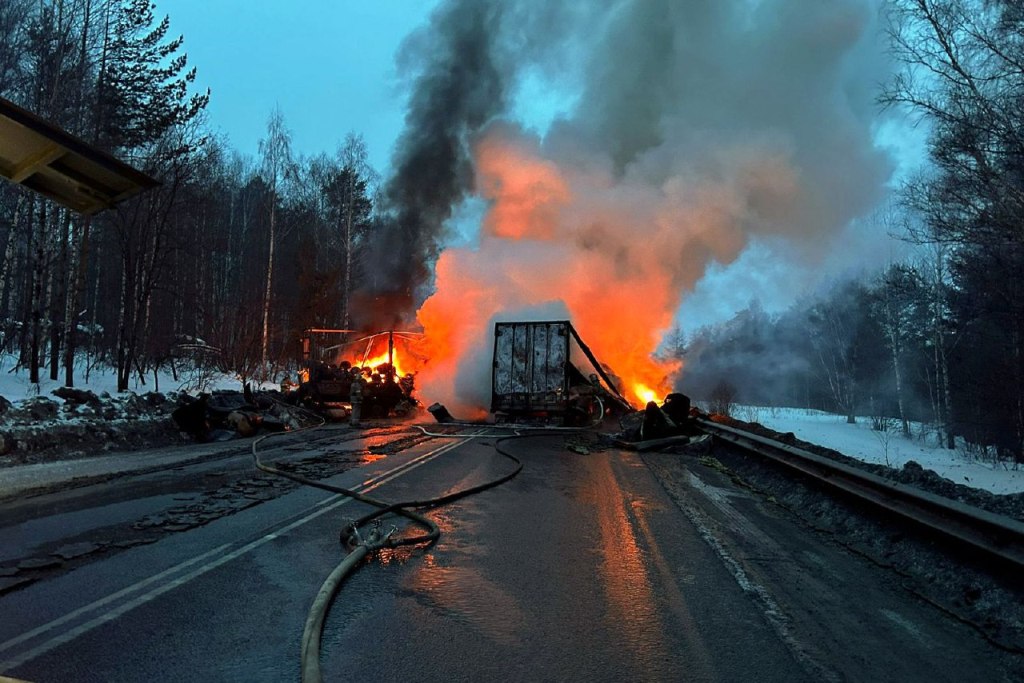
<point x="700" y="127"/>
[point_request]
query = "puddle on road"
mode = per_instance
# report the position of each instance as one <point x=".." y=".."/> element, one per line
<point x="456" y="524"/>
<point x="444" y="582"/>
<point x="465" y="595"/>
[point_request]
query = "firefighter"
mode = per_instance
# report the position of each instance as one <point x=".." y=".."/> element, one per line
<point x="356" y="399"/>
<point x="344" y="376"/>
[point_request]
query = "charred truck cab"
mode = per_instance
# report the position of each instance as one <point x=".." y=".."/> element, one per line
<point x="363" y="371"/>
<point x="544" y="370"/>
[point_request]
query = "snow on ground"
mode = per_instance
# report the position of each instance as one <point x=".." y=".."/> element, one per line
<point x="825" y="429"/>
<point x="886" y="448"/>
<point x="15" y="386"/>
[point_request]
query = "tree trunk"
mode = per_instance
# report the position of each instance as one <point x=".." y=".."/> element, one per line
<point x="61" y="278"/>
<point x="894" y="331"/>
<point x="947" y="397"/>
<point x="94" y="307"/>
<point x="267" y="290"/>
<point x="29" y="285"/>
<point x="898" y="376"/>
<point x="1018" y="369"/>
<point x="941" y="360"/>
<point x="5" y="274"/>
<point x="123" y="361"/>
<point x="37" y="299"/>
<point x="347" y="287"/>
<point x="74" y="296"/>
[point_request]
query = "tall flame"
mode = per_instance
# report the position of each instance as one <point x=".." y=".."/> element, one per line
<point x="556" y="243"/>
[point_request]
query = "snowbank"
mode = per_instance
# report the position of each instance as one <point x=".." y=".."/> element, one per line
<point x="889" y="448"/>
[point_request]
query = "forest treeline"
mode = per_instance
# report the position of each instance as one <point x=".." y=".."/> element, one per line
<point x="938" y="339"/>
<point x="230" y="256"/>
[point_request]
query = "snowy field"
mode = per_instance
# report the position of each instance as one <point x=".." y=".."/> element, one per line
<point x="886" y="448"/>
<point x="14" y="384"/>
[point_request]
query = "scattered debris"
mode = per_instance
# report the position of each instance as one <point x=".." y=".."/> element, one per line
<point x="669" y="425"/>
<point x="37" y="429"/>
<point x="226" y="415"/>
<point x="40" y="563"/>
<point x="440" y="413"/>
<point x="73" y="550"/>
<point x="334" y="391"/>
<point x="9" y="584"/>
<point x="77" y="396"/>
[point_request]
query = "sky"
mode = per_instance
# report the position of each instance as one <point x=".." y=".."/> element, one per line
<point x="331" y="68"/>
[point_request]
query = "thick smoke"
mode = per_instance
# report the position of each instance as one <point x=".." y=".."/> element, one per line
<point x="700" y="126"/>
<point x="456" y="88"/>
<point x="461" y="69"/>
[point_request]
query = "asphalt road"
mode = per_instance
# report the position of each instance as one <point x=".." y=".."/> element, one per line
<point x="598" y="566"/>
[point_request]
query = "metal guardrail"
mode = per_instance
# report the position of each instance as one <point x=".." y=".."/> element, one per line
<point x="997" y="536"/>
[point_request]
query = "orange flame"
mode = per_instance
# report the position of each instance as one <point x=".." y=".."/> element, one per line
<point x="554" y="244"/>
<point x="379" y="360"/>
<point x="406" y="356"/>
<point x="644" y="393"/>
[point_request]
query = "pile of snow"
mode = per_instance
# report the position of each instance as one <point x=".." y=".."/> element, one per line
<point x="888" y="447"/>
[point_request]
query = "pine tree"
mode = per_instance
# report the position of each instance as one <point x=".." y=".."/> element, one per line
<point x="143" y="85"/>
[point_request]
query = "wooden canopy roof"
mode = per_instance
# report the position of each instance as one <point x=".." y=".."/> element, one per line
<point x="42" y="157"/>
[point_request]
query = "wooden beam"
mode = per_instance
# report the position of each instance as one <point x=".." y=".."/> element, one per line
<point x="30" y="165"/>
<point x="42" y="157"/>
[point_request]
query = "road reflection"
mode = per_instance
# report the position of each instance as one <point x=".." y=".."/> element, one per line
<point x="453" y="585"/>
<point x="630" y="599"/>
<point x="463" y="594"/>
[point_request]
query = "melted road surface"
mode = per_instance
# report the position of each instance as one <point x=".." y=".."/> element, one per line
<point x="586" y="567"/>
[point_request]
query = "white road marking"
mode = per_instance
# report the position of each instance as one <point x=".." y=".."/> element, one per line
<point x="324" y="506"/>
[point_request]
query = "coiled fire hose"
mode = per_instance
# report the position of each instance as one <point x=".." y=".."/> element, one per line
<point x="361" y="546"/>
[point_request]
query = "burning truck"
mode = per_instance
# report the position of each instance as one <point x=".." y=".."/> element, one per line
<point x="367" y="370"/>
<point x="545" y="370"/>
<point x="541" y="370"/>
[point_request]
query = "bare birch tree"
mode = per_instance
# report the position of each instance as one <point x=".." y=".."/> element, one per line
<point x="276" y="168"/>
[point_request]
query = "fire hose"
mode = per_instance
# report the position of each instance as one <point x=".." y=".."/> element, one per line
<point x="360" y="546"/>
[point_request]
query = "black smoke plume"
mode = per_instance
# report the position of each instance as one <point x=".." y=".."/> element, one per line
<point x="457" y="88"/>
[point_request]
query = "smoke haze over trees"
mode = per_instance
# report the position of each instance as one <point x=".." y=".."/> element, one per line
<point x="939" y="339"/>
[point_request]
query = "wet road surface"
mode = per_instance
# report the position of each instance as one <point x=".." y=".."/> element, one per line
<point x="601" y="566"/>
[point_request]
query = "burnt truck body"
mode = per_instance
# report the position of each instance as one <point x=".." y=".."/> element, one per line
<point x="544" y="369"/>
